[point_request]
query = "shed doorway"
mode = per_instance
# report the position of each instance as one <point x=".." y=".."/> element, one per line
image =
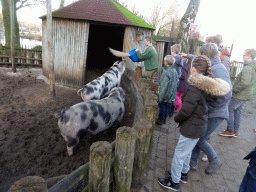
<point x="99" y="59"/>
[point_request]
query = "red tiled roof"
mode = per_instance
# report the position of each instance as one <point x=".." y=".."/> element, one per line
<point x="94" y="10"/>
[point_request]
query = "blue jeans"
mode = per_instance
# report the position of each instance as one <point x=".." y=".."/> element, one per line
<point x="181" y="158"/>
<point x="235" y="109"/>
<point x="164" y="109"/>
<point x="204" y="145"/>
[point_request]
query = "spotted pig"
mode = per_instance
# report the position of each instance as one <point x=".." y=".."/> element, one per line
<point x="101" y="86"/>
<point x="91" y="116"/>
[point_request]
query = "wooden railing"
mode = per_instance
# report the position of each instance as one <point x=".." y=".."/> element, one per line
<point x="23" y="57"/>
<point x="235" y="69"/>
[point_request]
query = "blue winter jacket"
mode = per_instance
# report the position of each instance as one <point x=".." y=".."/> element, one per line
<point x="219" y="108"/>
<point x="178" y="64"/>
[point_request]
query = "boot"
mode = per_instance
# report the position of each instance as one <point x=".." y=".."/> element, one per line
<point x="160" y="121"/>
<point x="213" y="166"/>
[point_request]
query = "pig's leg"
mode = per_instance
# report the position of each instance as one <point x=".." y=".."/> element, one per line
<point x="121" y="115"/>
<point x="71" y="144"/>
<point x="64" y="137"/>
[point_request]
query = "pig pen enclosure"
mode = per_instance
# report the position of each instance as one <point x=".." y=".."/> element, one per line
<point x="30" y="141"/>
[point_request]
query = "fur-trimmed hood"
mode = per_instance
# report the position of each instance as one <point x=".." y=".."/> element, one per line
<point x="209" y="85"/>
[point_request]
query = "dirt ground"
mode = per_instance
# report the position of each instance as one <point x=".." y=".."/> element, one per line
<point x="30" y="141"/>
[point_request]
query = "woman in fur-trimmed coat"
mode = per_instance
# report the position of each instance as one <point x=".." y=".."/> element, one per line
<point x="192" y="118"/>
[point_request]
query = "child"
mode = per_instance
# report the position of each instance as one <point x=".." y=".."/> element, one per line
<point x="192" y="118"/>
<point x="181" y="87"/>
<point x="167" y="88"/>
<point x="175" y="51"/>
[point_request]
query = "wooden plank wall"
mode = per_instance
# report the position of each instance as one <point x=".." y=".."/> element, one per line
<point x="130" y="43"/>
<point x="70" y="47"/>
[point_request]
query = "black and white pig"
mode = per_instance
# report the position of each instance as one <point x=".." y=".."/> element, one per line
<point x="91" y="116"/>
<point x="101" y="86"/>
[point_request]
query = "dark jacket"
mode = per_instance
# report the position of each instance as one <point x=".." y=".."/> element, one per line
<point x="249" y="181"/>
<point x="167" y="87"/>
<point x="183" y="85"/>
<point x="193" y="116"/>
<point x="178" y="64"/>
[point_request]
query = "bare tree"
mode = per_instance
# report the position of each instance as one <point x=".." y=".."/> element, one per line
<point x="185" y="24"/>
<point x="161" y="18"/>
<point x="18" y="4"/>
<point x="12" y="9"/>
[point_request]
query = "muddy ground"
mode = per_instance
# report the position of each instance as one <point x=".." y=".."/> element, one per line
<point x="30" y="141"/>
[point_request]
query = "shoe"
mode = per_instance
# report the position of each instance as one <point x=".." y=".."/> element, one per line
<point x="212" y="167"/>
<point x="168" y="184"/>
<point x="205" y="158"/>
<point x="160" y="121"/>
<point x="193" y="165"/>
<point x="183" y="178"/>
<point x="235" y="134"/>
<point x="227" y="133"/>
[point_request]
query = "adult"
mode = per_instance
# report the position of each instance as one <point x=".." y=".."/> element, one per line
<point x="242" y="92"/>
<point x="218" y="111"/>
<point x="224" y="53"/>
<point x="150" y="58"/>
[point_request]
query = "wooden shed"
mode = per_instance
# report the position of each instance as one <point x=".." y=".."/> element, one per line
<point x="83" y="32"/>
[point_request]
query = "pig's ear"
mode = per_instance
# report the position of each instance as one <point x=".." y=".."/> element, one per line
<point x="116" y="63"/>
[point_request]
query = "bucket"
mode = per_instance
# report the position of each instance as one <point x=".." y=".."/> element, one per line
<point x="133" y="55"/>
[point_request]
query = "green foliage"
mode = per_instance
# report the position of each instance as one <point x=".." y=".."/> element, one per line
<point x="132" y="17"/>
<point x="28" y="36"/>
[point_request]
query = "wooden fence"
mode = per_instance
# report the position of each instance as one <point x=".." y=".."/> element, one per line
<point x="23" y="57"/>
<point x="111" y="167"/>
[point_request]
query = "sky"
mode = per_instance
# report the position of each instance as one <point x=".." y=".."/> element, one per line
<point x="234" y="20"/>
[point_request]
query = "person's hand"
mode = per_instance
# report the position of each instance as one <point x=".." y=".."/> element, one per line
<point x="183" y="55"/>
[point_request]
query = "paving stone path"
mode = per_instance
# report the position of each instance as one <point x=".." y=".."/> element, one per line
<point x="229" y="149"/>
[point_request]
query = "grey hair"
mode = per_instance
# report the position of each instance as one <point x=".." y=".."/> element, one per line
<point x="210" y="50"/>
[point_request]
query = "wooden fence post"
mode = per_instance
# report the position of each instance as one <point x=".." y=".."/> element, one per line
<point x="151" y="111"/>
<point x="151" y="108"/>
<point x="99" y="166"/>
<point x="40" y="57"/>
<point x="29" y="183"/>
<point x="30" y="55"/>
<point x="124" y="157"/>
<point x="145" y="131"/>
<point x="24" y="54"/>
<point x="5" y="59"/>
